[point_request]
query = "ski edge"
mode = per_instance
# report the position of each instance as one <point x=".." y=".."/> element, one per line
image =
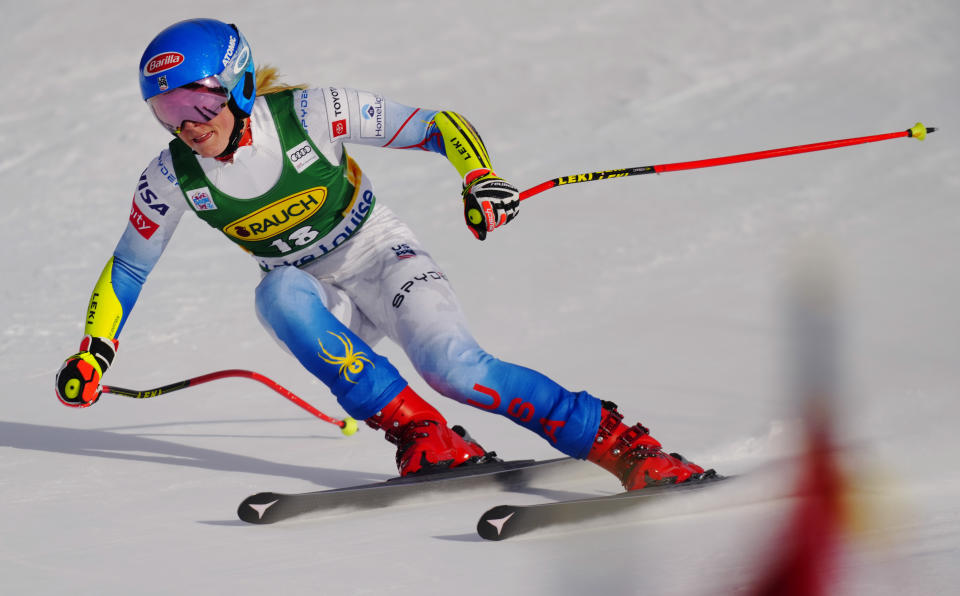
<point x="507" y="521"/>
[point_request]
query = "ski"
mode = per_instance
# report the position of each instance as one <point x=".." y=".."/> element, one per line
<point x="270" y="507"/>
<point x="506" y="521"/>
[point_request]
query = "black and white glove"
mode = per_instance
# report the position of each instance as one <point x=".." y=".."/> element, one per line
<point x="488" y="202"/>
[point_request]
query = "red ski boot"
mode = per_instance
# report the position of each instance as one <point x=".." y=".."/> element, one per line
<point x="425" y="444"/>
<point x="636" y="458"/>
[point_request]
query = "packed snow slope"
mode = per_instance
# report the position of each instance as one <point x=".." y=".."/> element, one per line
<point x="663" y="293"/>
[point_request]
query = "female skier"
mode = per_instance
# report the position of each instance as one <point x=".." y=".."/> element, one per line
<point x="265" y="164"/>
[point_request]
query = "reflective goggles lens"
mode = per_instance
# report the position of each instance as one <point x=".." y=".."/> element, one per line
<point x="198" y="102"/>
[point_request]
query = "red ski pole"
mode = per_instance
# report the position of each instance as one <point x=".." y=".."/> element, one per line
<point x="918" y="131"/>
<point x="347" y="426"/>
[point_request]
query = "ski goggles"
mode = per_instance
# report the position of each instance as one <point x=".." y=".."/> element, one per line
<point x="200" y="101"/>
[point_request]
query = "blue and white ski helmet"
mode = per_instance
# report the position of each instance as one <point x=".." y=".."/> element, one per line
<point x="195" y="49"/>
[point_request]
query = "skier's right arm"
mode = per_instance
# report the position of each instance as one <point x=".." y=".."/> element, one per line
<point x="154" y="214"/>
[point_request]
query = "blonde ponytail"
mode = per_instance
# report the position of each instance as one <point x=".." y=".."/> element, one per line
<point x="268" y="81"/>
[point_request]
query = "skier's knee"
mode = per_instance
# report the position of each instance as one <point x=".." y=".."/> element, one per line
<point x="450" y="366"/>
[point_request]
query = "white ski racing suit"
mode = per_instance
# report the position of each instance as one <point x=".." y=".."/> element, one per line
<point x="329" y="293"/>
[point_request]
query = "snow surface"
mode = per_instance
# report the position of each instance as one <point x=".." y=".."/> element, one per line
<point x="664" y="293"/>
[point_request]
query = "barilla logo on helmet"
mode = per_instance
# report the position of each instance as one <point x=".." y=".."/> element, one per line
<point x="162" y="62"/>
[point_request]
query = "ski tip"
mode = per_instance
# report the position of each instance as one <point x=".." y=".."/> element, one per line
<point x="493" y="524"/>
<point x="256" y="509"/>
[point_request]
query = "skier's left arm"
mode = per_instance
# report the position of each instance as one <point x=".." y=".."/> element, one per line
<point x="356" y="116"/>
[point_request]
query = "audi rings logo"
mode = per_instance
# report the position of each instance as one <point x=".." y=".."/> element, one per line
<point x="302" y="156"/>
<point x="300" y="153"/>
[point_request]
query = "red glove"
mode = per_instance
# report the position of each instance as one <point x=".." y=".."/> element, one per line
<point x="78" y="381"/>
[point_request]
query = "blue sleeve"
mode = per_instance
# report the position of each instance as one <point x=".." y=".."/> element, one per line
<point x="155" y="212"/>
<point x="128" y="280"/>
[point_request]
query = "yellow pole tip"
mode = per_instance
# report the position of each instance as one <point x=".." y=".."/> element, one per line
<point x="919" y="131"/>
<point x="349" y="426"/>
